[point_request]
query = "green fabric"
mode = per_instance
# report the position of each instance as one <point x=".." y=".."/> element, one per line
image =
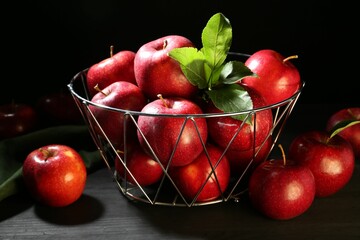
<point x="13" y="152"/>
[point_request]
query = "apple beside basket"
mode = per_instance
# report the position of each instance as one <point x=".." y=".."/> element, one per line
<point x="166" y="191"/>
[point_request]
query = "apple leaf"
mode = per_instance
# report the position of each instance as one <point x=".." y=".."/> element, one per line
<point x="216" y="39"/>
<point x="342" y="125"/>
<point x="208" y="70"/>
<point x="234" y="71"/>
<point x="230" y="99"/>
<point x="192" y="63"/>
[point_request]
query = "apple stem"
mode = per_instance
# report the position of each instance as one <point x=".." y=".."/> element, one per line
<point x="111" y="50"/>
<point x="290" y="57"/>
<point x="283" y="153"/>
<point x="46" y="153"/>
<point x="165" y="44"/>
<point x="98" y="89"/>
<point x="162" y="99"/>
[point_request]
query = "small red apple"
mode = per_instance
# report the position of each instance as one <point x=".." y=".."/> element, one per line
<point x="55" y="175"/>
<point x="58" y="108"/>
<point x="331" y="159"/>
<point x="118" y="67"/>
<point x="280" y="189"/>
<point x="277" y="77"/>
<point x="157" y="73"/>
<point x="120" y="95"/>
<point x="162" y="126"/>
<point x="208" y="174"/>
<point x="17" y="119"/>
<point x="141" y="165"/>
<point x="352" y="133"/>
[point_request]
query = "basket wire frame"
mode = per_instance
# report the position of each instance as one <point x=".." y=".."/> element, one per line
<point x="166" y="192"/>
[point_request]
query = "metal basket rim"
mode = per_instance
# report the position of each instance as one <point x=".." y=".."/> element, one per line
<point x="202" y="115"/>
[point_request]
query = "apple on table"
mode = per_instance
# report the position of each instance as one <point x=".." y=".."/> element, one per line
<point x="54" y="175"/>
<point x="58" y="108"/>
<point x="352" y="133"/>
<point x="329" y="157"/>
<point x="17" y="119"/>
<point x="117" y="67"/>
<point x="281" y="189"/>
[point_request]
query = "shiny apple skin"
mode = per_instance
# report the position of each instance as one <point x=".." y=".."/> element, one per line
<point x="332" y="162"/>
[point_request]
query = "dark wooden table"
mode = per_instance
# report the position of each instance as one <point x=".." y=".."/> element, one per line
<point x="104" y="213"/>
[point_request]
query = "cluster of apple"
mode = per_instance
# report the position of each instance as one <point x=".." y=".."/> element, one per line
<point x="55" y="108"/>
<point x="169" y="101"/>
<point x="320" y="163"/>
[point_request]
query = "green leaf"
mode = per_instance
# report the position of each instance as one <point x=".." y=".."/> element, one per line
<point x="234" y="71"/>
<point x="192" y="64"/>
<point x="231" y="99"/>
<point x="342" y="125"/>
<point x="207" y="68"/>
<point x="216" y="39"/>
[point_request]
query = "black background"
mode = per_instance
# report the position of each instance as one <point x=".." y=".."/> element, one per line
<point x="45" y="43"/>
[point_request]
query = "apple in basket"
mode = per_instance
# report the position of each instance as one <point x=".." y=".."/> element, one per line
<point x="157" y="73"/>
<point x="144" y="168"/>
<point x="248" y="160"/>
<point x="204" y="179"/>
<point x="117" y="67"/>
<point x="241" y="135"/>
<point x="277" y="77"/>
<point x="121" y="96"/>
<point x="174" y="139"/>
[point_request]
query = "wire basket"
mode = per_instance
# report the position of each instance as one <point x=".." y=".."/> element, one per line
<point x="166" y="190"/>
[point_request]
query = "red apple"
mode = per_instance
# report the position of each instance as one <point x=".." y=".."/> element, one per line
<point x="331" y="159"/>
<point x="118" y="67"/>
<point x="223" y="129"/>
<point x="55" y="175"/>
<point x="144" y="168"/>
<point x="58" y="108"/>
<point x="122" y="96"/>
<point x="352" y="133"/>
<point x="157" y="73"/>
<point x="208" y="174"/>
<point x="172" y="133"/>
<point x="17" y="119"/>
<point x="281" y="189"/>
<point x="249" y="159"/>
<point x="277" y="77"/>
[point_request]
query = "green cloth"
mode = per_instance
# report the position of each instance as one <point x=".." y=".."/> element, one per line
<point x="13" y="152"/>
